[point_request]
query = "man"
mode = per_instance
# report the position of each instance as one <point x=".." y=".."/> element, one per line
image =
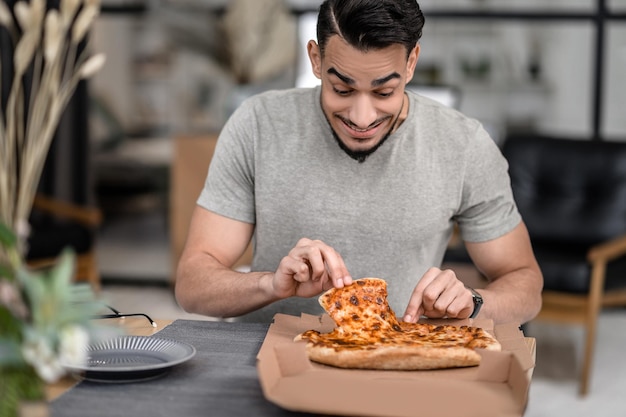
<point x="352" y="179"/>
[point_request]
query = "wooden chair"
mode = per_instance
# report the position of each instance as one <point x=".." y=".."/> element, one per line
<point x="56" y="225"/>
<point x="572" y="196"/>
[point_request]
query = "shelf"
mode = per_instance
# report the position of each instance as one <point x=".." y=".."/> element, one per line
<point x="510" y="15"/>
<point x="139" y="8"/>
<point x="600" y="16"/>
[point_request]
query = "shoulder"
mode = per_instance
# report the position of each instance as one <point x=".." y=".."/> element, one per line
<point x="274" y="123"/>
<point x="443" y="129"/>
<point x="280" y="100"/>
<point x="268" y="111"/>
<point x="434" y="113"/>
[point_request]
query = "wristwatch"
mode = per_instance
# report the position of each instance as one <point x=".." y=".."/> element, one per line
<point x="478" y="301"/>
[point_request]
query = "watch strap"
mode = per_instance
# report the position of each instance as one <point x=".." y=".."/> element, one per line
<point x="478" y="302"/>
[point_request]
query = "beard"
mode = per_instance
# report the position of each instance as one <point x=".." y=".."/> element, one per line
<point x="359" y="156"/>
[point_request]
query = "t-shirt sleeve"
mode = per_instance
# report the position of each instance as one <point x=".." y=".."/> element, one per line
<point x="229" y="186"/>
<point x="488" y="209"/>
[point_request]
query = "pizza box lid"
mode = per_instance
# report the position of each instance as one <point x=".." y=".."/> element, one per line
<point x="497" y="387"/>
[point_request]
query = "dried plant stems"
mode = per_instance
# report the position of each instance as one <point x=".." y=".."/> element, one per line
<point x="46" y="48"/>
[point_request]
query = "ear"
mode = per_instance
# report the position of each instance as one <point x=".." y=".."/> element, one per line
<point x="315" y="57"/>
<point x="412" y="62"/>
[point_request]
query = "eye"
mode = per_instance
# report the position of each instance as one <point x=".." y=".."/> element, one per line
<point x="341" y="92"/>
<point x="384" y="93"/>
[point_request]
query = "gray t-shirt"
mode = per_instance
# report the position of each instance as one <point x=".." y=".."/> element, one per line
<point x="278" y="166"/>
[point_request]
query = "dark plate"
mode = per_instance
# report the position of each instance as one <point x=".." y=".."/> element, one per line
<point x="132" y="358"/>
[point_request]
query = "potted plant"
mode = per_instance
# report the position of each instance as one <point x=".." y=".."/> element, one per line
<point x="44" y="325"/>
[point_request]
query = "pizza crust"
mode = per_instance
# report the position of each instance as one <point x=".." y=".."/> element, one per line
<point x="405" y="358"/>
<point x="368" y="335"/>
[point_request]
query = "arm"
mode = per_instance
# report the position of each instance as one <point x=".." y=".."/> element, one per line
<point x="515" y="280"/>
<point x="512" y="295"/>
<point x="206" y="284"/>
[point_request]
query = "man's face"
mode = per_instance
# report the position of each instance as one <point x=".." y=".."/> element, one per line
<point x="362" y="92"/>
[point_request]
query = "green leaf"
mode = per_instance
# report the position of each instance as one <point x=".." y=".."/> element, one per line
<point x="35" y="294"/>
<point x="62" y="272"/>
<point x="7" y="237"/>
<point x="19" y="384"/>
<point x="9" y="325"/>
<point x="10" y="353"/>
<point x="7" y="272"/>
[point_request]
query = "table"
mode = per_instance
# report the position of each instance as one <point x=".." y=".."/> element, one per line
<point x="220" y="380"/>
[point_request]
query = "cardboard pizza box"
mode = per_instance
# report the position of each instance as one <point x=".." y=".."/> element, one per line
<point x="497" y="387"/>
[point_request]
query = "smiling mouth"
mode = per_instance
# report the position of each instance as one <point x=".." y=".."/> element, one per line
<point x="362" y="133"/>
<point x="367" y="129"/>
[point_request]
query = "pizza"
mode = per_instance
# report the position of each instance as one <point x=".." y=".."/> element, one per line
<point x="368" y="335"/>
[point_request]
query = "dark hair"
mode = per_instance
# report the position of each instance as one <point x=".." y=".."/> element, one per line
<point x="370" y="24"/>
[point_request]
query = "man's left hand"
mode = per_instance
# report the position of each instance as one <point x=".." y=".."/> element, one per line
<point x="439" y="294"/>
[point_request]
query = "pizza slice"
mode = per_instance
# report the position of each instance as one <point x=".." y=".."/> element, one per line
<point x="368" y="335"/>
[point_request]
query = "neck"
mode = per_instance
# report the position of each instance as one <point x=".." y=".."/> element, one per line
<point x="401" y="116"/>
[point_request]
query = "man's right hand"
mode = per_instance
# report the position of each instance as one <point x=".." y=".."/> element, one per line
<point x="207" y="284"/>
<point x="310" y="268"/>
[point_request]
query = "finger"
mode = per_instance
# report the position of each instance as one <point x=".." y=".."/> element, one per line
<point x="296" y="268"/>
<point x="303" y="272"/>
<point x="462" y="304"/>
<point x="308" y="254"/>
<point x="310" y="267"/>
<point x="326" y="263"/>
<point x="446" y="296"/>
<point x="415" y="307"/>
<point x="315" y="261"/>
<point x="336" y="268"/>
<point x="441" y="292"/>
<point x="289" y="270"/>
<point x="459" y="309"/>
<point x="441" y="306"/>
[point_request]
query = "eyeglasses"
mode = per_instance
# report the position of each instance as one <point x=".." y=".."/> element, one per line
<point x="118" y="315"/>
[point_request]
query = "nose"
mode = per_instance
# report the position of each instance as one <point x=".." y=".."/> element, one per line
<point x="363" y="112"/>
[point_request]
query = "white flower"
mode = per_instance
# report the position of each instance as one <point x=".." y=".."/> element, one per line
<point x="38" y="353"/>
<point x="73" y="345"/>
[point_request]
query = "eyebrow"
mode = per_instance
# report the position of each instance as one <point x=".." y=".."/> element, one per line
<point x="375" y="83"/>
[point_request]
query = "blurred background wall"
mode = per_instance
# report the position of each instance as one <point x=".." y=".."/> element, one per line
<point x="179" y="67"/>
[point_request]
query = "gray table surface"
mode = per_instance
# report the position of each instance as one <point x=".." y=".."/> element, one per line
<point x="220" y="380"/>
